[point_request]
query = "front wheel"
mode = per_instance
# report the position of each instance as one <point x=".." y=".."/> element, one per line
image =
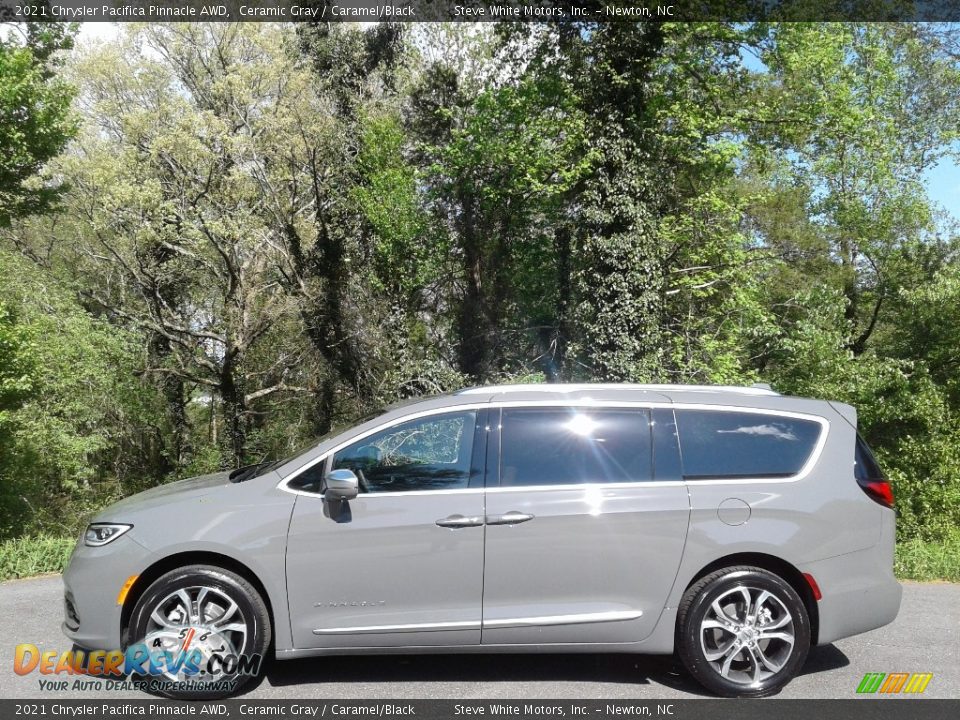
<point x="743" y="632"/>
<point x="202" y="633"/>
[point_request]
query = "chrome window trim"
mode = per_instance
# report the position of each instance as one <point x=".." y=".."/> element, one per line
<point x="407" y="493"/>
<point x="579" y="403"/>
<point x="584" y="486"/>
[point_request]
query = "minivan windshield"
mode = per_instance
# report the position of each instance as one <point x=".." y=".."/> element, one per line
<point x="249" y="472"/>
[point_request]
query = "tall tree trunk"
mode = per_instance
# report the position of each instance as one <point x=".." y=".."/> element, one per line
<point x="473" y="351"/>
<point x="234" y="412"/>
<point x="562" y="247"/>
<point x="848" y="262"/>
<point x="325" y="405"/>
<point x="619" y="273"/>
<point x="175" y="453"/>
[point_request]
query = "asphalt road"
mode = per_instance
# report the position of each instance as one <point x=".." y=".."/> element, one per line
<point x="924" y="638"/>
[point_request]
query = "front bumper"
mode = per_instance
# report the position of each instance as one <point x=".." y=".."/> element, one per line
<point x="92" y="581"/>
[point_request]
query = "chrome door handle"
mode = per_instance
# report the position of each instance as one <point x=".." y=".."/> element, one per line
<point x="511" y="518"/>
<point x="459" y="521"/>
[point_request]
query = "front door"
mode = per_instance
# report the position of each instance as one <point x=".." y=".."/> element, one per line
<point x="582" y="545"/>
<point x="402" y="564"/>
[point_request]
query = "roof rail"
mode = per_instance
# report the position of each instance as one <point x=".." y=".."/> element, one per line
<point x="757" y="389"/>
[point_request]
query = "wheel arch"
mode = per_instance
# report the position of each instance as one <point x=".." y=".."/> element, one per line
<point x="778" y="566"/>
<point x="182" y="559"/>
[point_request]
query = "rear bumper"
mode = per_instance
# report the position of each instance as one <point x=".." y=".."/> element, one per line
<point x="860" y="592"/>
<point x="855" y="607"/>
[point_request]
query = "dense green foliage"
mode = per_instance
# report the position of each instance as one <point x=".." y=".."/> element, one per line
<point x="35" y="121"/>
<point x="265" y="231"/>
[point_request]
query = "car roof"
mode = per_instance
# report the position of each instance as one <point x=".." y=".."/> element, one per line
<point x="586" y="389"/>
<point x="758" y="396"/>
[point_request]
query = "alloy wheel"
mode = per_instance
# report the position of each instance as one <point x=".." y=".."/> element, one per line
<point x="747" y="635"/>
<point x="200" y="618"/>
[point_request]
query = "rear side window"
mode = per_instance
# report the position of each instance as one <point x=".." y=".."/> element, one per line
<point x="866" y="466"/>
<point x="568" y="446"/>
<point x="720" y="444"/>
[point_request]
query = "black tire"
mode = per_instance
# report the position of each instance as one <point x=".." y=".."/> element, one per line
<point x="746" y="675"/>
<point x="222" y="586"/>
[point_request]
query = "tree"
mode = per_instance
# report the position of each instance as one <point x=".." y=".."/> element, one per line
<point x="846" y="120"/>
<point x="353" y="79"/>
<point x="860" y="111"/>
<point x="663" y="281"/>
<point x="498" y="177"/>
<point x="17" y="374"/>
<point x="73" y="410"/>
<point x="169" y="217"/>
<point x="266" y="230"/>
<point x="35" y="119"/>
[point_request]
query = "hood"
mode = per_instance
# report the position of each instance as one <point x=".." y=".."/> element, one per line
<point x="163" y="494"/>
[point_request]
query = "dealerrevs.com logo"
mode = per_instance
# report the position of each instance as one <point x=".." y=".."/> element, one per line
<point x="154" y="668"/>
<point x="894" y="683"/>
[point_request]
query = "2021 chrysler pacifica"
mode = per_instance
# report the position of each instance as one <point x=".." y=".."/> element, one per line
<point x="733" y="526"/>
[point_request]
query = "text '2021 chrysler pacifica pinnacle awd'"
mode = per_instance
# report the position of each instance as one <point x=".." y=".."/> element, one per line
<point x="733" y="526"/>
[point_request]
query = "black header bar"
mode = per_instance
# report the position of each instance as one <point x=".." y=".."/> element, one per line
<point x="566" y="709"/>
<point x="582" y="11"/>
<point x="101" y="709"/>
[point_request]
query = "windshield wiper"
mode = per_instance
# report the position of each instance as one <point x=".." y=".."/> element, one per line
<point x="248" y="471"/>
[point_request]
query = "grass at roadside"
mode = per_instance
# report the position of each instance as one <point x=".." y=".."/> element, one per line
<point x="916" y="559"/>
<point x="926" y="560"/>
<point x="35" y="555"/>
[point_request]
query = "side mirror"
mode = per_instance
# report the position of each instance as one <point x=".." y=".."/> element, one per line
<point x="341" y="485"/>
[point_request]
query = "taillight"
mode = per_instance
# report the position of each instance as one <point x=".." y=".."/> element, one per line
<point x="869" y="475"/>
<point x="878" y="490"/>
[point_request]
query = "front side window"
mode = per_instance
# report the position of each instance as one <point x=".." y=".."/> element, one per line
<point x="568" y="446"/>
<point x="431" y="453"/>
<point x="721" y="444"/>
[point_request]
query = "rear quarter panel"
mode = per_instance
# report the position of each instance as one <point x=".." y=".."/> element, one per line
<point x="818" y="515"/>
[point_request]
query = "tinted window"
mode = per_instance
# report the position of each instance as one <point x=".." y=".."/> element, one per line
<point x="666" y="446"/>
<point x="432" y="453"/>
<point x="866" y="466"/>
<point x="717" y="444"/>
<point x="310" y="480"/>
<point x="571" y="446"/>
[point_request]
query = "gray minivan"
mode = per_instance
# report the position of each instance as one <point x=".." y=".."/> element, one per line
<point x="731" y="525"/>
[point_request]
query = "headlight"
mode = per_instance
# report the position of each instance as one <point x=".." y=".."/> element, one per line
<point x="98" y="534"/>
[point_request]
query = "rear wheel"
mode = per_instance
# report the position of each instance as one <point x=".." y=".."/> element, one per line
<point x="203" y="627"/>
<point x="743" y="632"/>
